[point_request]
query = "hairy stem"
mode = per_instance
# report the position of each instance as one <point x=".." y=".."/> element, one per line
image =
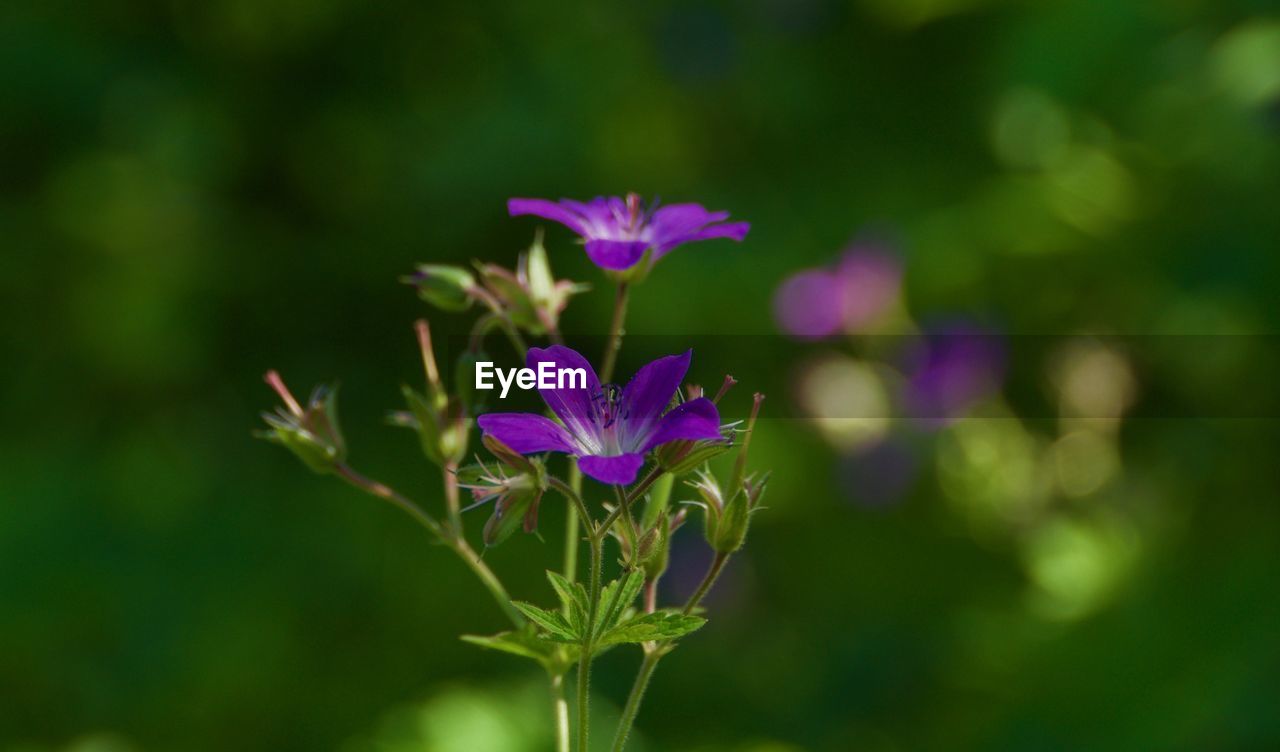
<point x="614" y="343"/>
<point x="713" y="572"/>
<point x="386" y="493"/>
<point x="451" y="497"/>
<point x="455" y="542"/>
<point x="584" y="660"/>
<point x="632" y="708"/>
<point x="635" y="493"/>
<point x="654" y="654"/>
<point x="571" y="541"/>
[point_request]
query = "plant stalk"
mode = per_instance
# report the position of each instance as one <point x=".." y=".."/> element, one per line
<point x="654" y="654"/>
<point x="614" y="343"/>
<point x="584" y="659"/>
<point x="560" y="707"/>
<point x="632" y="708"/>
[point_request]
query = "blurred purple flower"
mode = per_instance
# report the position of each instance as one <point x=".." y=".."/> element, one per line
<point x="609" y="429"/>
<point x="954" y="367"/>
<point x="618" y="231"/>
<point x="848" y="296"/>
<point x="880" y="475"/>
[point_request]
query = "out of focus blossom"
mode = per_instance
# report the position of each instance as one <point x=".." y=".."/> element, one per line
<point x="951" y="369"/>
<point x="850" y="296"/>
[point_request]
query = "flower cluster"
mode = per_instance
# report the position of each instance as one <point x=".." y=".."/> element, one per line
<point x="608" y="432"/>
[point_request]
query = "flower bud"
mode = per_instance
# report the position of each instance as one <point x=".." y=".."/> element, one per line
<point x="680" y="457"/>
<point x="312" y="433"/>
<point x="731" y="528"/>
<point x="516" y="496"/>
<point x="654" y="550"/>
<point x="530" y="296"/>
<point x="445" y="286"/>
<point x="712" y="503"/>
<point x="513" y="459"/>
<point x="437" y="434"/>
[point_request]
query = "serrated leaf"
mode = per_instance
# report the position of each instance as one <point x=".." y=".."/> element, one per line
<point x="661" y="625"/>
<point x="573" y="597"/>
<point x="615" y="598"/>
<point x="554" y="624"/>
<point x="520" y="643"/>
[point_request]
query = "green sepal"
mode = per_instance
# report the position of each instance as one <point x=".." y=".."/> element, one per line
<point x="659" y="497"/>
<point x="731" y="528"/>
<point x="511" y="512"/>
<point x="699" y="453"/>
<point x="445" y="286"/>
<point x="315" y="436"/>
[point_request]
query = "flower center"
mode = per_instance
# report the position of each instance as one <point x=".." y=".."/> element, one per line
<point x="607" y="407"/>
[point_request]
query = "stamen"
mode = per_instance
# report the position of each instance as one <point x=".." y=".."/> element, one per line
<point x="607" y="401"/>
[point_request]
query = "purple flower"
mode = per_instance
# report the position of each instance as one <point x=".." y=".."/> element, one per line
<point x="609" y="429"/>
<point x="619" y="231"/>
<point x="852" y="296"/>
<point x="954" y="367"/>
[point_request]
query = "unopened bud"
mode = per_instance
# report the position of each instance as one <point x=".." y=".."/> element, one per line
<point x="731" y="529"/>
<point x="311" y="433"/>
<point x="445" y="286"/>
<point x="654" y="551"/>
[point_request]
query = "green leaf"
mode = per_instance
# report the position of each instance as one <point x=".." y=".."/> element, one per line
<point x="573" y="597"/>
<point x="523" y="643"/>
<point x="554" y="624"/>
<point x="615" y="598"/>
<point x="660" y="625"/>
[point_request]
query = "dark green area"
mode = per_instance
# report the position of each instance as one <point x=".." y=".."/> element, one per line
<point x="194" y="192"/>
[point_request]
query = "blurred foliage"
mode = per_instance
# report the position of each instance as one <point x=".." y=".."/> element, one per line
<point x="192" y="192"/>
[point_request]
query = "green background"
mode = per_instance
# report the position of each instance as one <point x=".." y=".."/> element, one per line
<point x="194" y="192"/>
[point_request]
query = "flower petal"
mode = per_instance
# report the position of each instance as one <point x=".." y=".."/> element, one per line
<point x="646" y="396"/>
<point x="539" y="207"/>
<point x="527" y="433"/>
<point x="574" y="407"/>
<point x="620" y="469"/>
<point x="681" y="219"/>
<point x="616" y="254"/>
<point x="732" y="230"/>
<point x="693" y="420"/>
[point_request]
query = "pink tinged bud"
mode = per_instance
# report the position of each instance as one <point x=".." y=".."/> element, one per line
<point x="428" y="355"/>
<point x="312" y="434"/>
<point x="275" y="382"/>
<point x="725" y="386"/>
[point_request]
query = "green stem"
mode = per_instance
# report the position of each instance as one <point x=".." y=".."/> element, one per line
<point x="632" y="708"/>
<point x="386" y="493"/>
<point x="560" y="707"/>
<point x="451" y="497"/>
<point x="571" y="541"/>
<point x="457" y="543"/>
<point x="654" y="654"/>
<point x="488" y="579"/>
<point x="713" y="572"/>
<point x="614" y="343"/>
<point x="584" y="659"/>
<point x="630" y="498"/>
